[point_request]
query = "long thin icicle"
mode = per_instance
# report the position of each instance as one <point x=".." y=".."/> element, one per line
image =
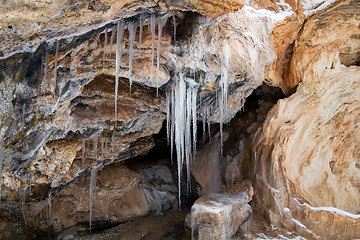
<point x="194" y="118"/>
<point x="152" y="31"/>
<point x="119" y="39"/>
<point x="49" y="202"/>
<point x="105" y="45"/>
<point x="141" y="25"/>
<point x="132" y="30"/>
<point x="113" y="32"/>
<point x="174" y="23"/>
<point x="224" y="86"/>
<point x="161" y="23"/>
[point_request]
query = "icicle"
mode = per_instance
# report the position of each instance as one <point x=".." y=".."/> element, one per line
<point x="120" y="35"/>
<point x="83" y="150"/>
<point x="168" y="116"/>
<point x="112" y="40"/>
<point x="23" y="207"/>
<point x="92" y="190"/>
<point x="43" y="85"/>
<point x="132" y="31"/>
<point x="224" y="85"/>
<point x="161" y="24"/>
<point x="95" y="145"/>
<point x="142" y="20"/>
<point x="174" y="23"/>
<point x="194" y="118"/>
<point x="104" y="54"/>
<point x="152" y="31"/>
<point x="208" y="121"/>
<point x="49" y="202"/>
<point x="172" y="126"/>
<point x="203" y="113"/>
<point x="102" y="148"/>
<point x="188" y="136"/>
<point x="56" y="65"/>
<point x="113" y="142"/>
<point x="106" y="145"/>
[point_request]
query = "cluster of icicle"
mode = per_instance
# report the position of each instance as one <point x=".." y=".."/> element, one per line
<point x="181" y="109"/>
<point x="132" y="27"/>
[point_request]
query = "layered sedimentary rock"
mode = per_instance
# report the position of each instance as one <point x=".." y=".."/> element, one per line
<point x="307" y="152"/>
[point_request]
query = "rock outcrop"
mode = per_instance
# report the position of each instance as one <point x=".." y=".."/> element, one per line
<point x="307" y="152"/>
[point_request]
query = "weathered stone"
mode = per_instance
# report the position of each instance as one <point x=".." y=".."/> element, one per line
<point x="117" y="198"/>
<point x="218" y="216"/>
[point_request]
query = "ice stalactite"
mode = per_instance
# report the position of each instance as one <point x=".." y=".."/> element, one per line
<point x="119" y="39"/>
<point x="102" y="148"/>
<point x="105" y="45"/>
<point x="83" y="150"/>
<point x="174" y="23"/>
<point x="152" y="32"/>
<point x="161" y="23"/>
<point x="49" y="202"/>
<point x="95" y="146"/>
<point x="113" y="32"/>
<point x="132" y="31"/>
<point x="181" y="107"/>
<point x="141" y="26"/>
<point x="56" y="66"/>
<point x="224" y="87"/>
<point x="92" y="191"/>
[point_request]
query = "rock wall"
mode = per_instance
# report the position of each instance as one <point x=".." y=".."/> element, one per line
<point x="307" y="151"/>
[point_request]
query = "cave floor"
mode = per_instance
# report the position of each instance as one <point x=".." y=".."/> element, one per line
<point x="171" y="227"/>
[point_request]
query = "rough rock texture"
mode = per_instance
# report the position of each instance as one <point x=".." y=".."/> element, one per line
<point x="218" y="216"/>
<point x="307" y="157"/>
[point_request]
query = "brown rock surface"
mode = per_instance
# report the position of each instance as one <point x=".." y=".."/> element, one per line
<point x="307" y="152"/>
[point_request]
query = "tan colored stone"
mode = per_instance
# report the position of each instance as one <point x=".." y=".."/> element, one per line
<point x="117" y="198"/>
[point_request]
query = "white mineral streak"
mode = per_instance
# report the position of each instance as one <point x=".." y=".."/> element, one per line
<point x="119" y="39"/>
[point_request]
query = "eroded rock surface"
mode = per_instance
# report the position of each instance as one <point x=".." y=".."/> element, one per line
<point x="307" y="154"/>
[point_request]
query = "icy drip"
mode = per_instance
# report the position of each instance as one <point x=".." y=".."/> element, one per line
<point x="83" y="150"/>
<point x="106" y="39"/>
<point x="161" y="23"/>
<point x="96" y="138"/>
<point x="141" y="25"/>
<point x="224" y="87"/>
<point x="112" y="40"/>
<point x="174" y="23"/>
<point x="119" y="39"/>
<point x="152" y="31"/>
<point x="49" y="202"/>
<point x="102" y="148"/>
<point x="92" y="190"/>
<point x="168" y="96"/>
<point x="194" y="117"/>
<point x="181" y="107"/>
<point x="56" y="66"/>
<point x="132" y="30"/>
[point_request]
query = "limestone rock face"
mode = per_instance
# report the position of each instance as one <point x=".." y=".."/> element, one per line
<point x="307" y="152"/>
